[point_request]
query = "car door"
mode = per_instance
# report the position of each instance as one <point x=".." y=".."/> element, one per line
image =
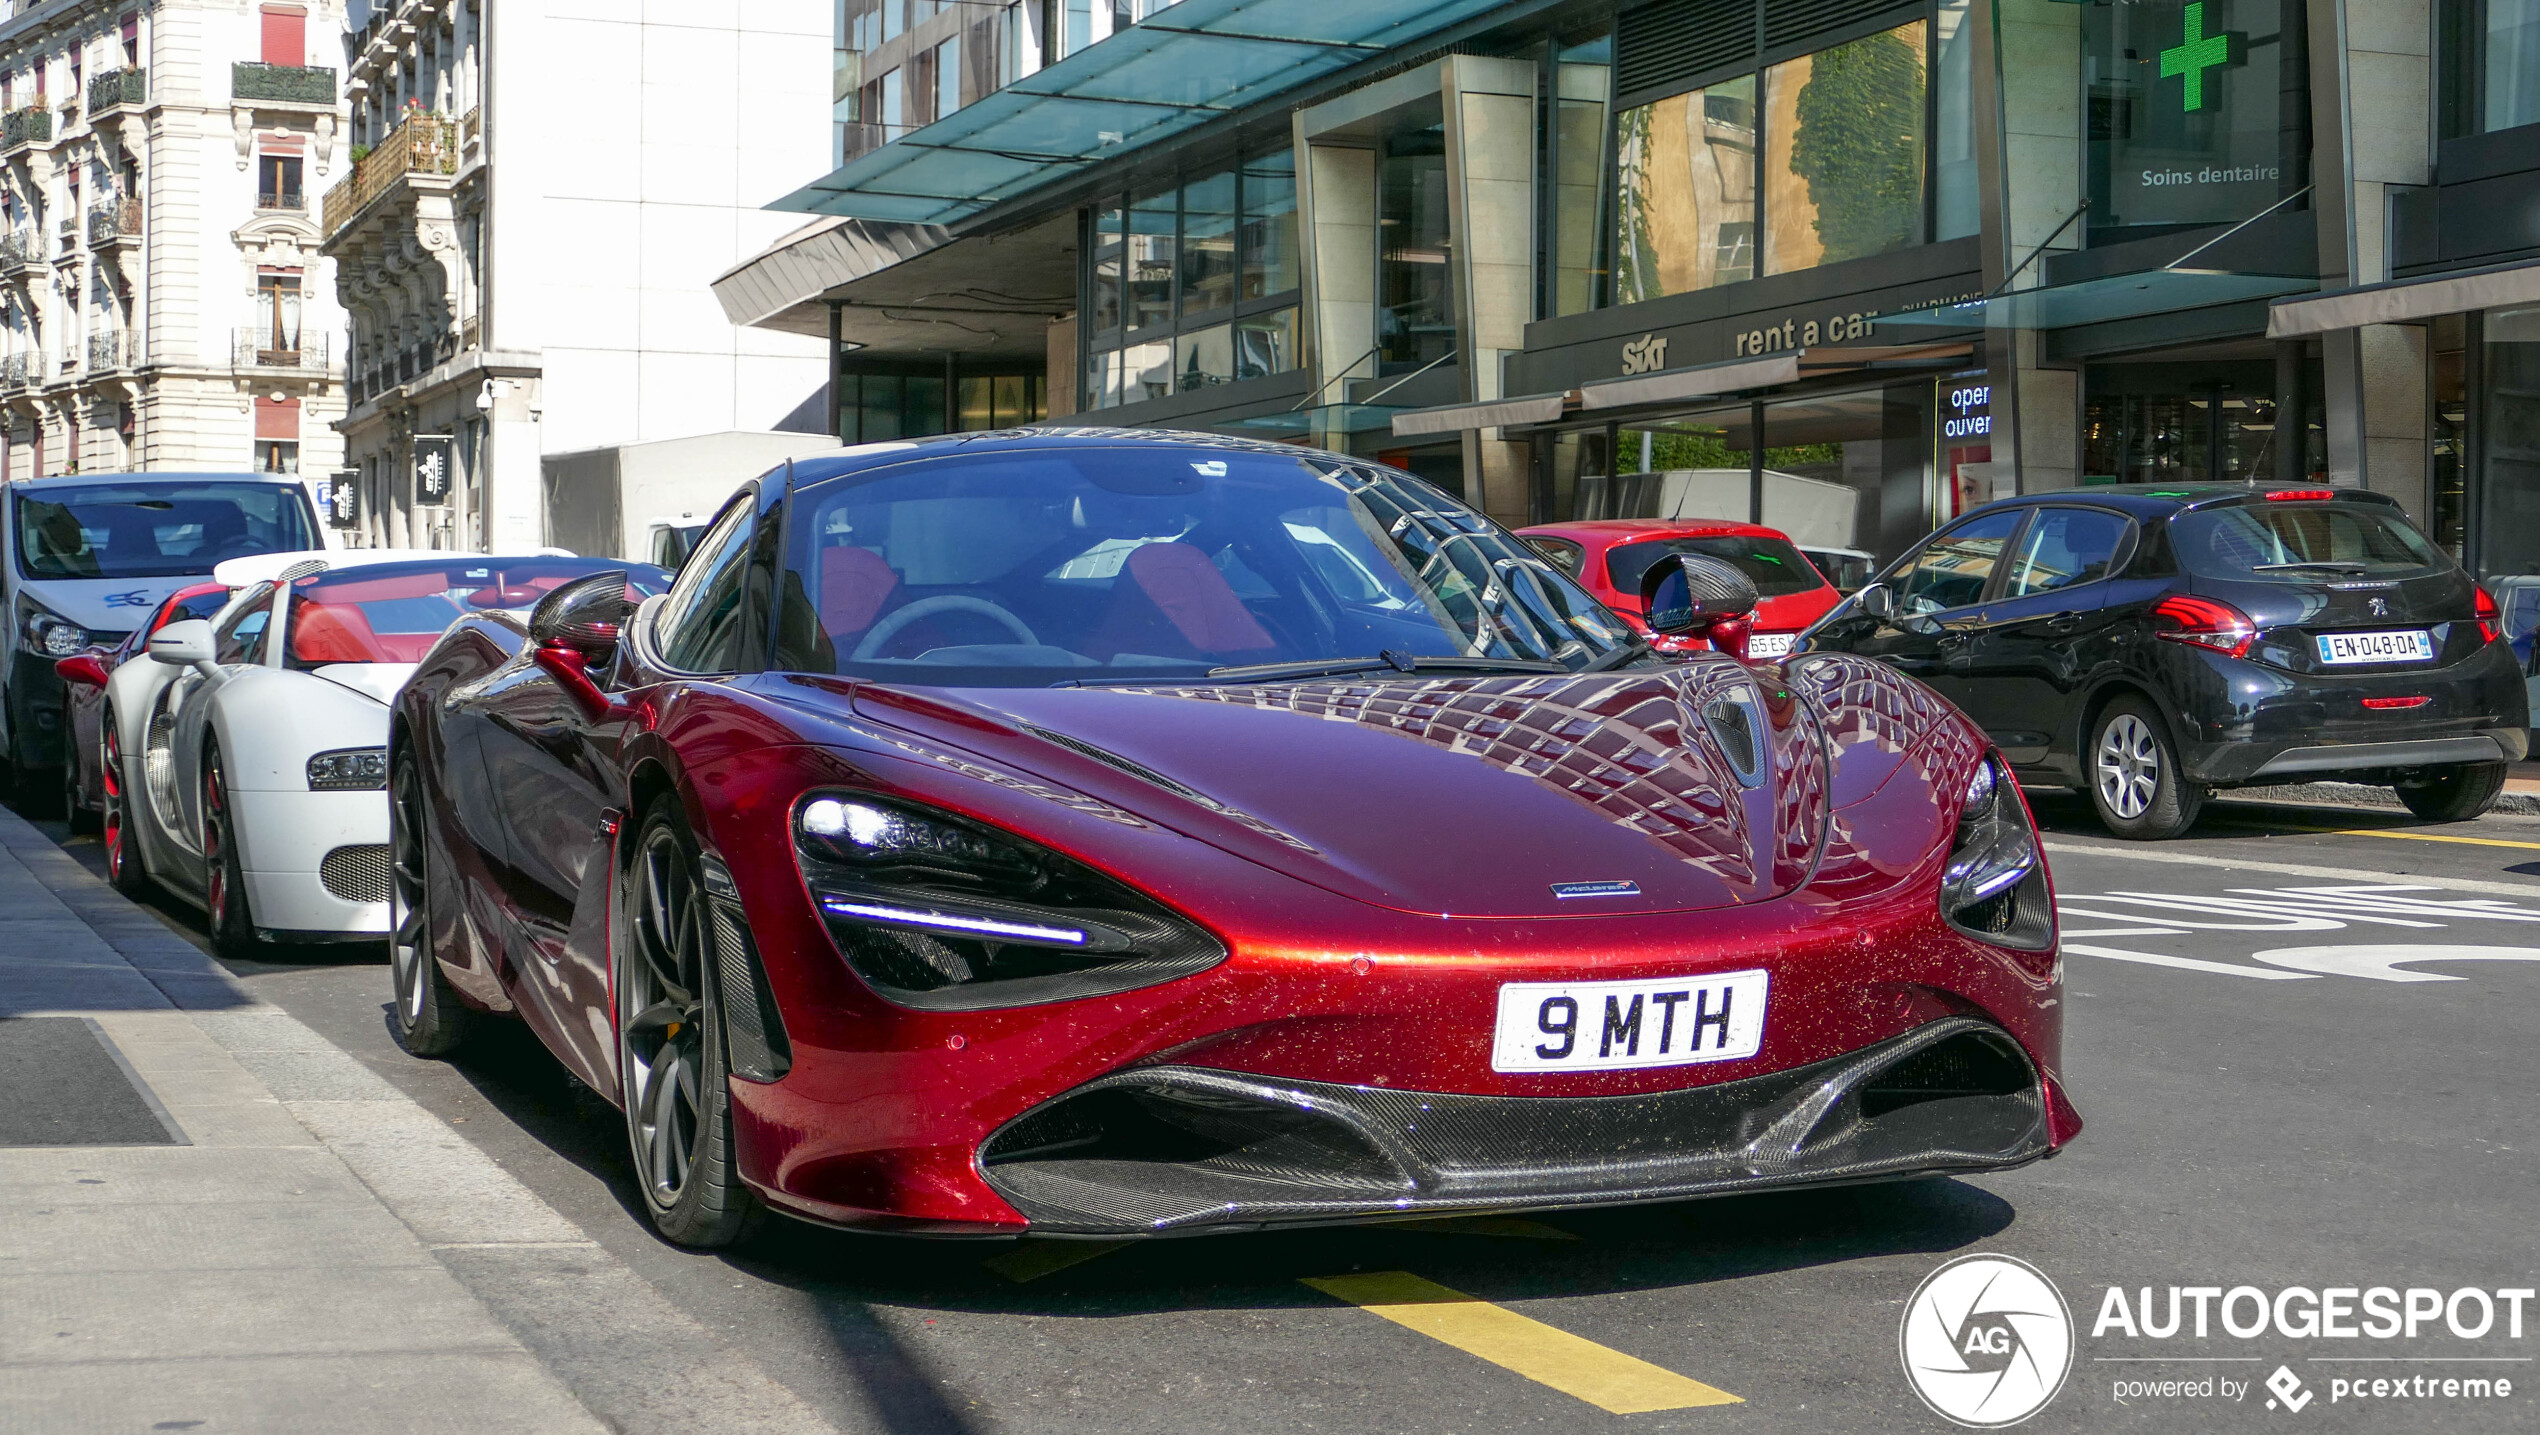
<point x="1937" y="598"/>
<point x="173" y="742"/>
<point x="2052" y="622"/>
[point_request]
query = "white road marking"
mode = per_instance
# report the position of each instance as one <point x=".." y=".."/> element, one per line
<point x="2382" y="964"/>
<point x="2116" y="931"/>
<point x="2156" y="959"/>
<point x="2525" y="890"/>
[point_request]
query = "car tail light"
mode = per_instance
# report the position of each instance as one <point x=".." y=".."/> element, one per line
<point x="2489" y="615"/>
<point x="2300" y="495"/>
<point x="2186" y="618"/>
<point x="939" y="912"/>
<point x="2388" y="704"/>
<point x="1994" y="888"/>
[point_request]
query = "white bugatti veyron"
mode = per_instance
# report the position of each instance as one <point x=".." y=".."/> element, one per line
<point x="252" y="767"/>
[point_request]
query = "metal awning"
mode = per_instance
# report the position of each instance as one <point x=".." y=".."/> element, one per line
<point x="2404" y="301"/>
<point x="1498" y="413"/>
<point x="1190" y="63"/>
<point x="2096" y="301"/>
<point x="1703" y="381"/>
<point x="1332" y="419"/>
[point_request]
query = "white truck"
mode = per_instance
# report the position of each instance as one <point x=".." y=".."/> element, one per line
<point x="642" y="500"/>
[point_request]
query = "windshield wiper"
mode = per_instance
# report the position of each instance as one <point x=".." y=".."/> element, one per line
<point x="2331" y="564"/>
<point x="1391" y="660"/>
<point x="1630" y="652"/>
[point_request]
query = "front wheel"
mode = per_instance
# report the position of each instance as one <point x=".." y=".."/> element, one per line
<point x="431" y="1020"/>
<point x="2454" y="794"/>
<point x="2135" y="781"/>
<point x="125" y="870"/>
<point x="224" y="877"/>
<point x="671" y="1060"/>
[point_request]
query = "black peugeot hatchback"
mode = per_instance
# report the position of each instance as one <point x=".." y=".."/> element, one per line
<point x="2152" y="644"/>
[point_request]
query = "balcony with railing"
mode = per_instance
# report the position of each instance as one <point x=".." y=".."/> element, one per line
<point x="20" y="249"/>
<point x="114" y="222"/>
<point x="19" y="370"/>
<point x="284" y="199"/>
<point x="259" y="347"/>
<point x="30" y="124"/>
<point x="109" y="351"/>
<point x="423" y="144"/>
<point x="256" y="83"/>
<point x="130" y="86"/>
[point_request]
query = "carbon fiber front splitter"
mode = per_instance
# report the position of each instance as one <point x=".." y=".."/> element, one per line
<point x="1173" y="1150"/>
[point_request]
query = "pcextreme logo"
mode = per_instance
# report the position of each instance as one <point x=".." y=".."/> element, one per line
<point x="1987" y="1341"/>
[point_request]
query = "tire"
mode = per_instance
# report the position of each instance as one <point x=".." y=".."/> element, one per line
<point x="224" y="881"/>
<point x="2135" y="780"/>
<point x="672" y="1068"/>
<point x="431" y="1020"/>
<point x="126" y="870"/>
<point x="75" y="809"/>
<point x="2454" y="794"/>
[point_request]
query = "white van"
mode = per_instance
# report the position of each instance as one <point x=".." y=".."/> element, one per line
<point x="89" y="555"/>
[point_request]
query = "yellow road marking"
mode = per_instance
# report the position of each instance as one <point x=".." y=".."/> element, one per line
<point x="1514" y="1227"/>
<point x="1547" y="1355"/>
<point x="1030" y="1260"/>
<point x="2385" y="832"/>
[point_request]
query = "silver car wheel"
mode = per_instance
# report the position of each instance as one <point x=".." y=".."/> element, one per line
<point x="2128" y="766"/>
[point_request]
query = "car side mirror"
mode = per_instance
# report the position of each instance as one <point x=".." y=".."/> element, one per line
<point x="1696" y="595"/>
<point x="574" y="629"/>
<point x="186" y="644"/>
<point x="1878" y="602"/>
<point x="85" y="670"/>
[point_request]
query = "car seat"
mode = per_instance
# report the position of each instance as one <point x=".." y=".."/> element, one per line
<point x="334" y="633"/>
<point x="1171" y="602"/>
<point x="854" y="585"/>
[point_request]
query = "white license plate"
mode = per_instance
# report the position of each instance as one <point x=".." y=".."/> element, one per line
<point x="2412" y="646"/>
<point x="1612" y="1026"/>
<point x="1770" y="645"/>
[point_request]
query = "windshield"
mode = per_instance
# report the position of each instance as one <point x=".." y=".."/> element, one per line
<point x="155" y="530"/>
<point x="2300" y="543"/>
<point x="395" y="612"/>
<point x="1772" y="564"/>
<point x="1032" y="567"/>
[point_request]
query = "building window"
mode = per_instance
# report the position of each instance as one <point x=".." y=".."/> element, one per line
<point x="1208" y="243"/>
<point x="1819" y="159"/>
<point x="1192" y="284"/>
<point x="1151" y="257"/>
<point x="278" y="182"/>
<point x="277" y="332"/>
<point x="274" y="455"/>
<point x="947" y="77"/>
<point x="2491" y="65"/>
<point x="1269" y="229"/>
<point x="1575" y="219"/>
<point x="285" y="35"/>
<point x="1415" y="283"/>
<point x="1072" y="28"/>
<point x="894" y="105"/>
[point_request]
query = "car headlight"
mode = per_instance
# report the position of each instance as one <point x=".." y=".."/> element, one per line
<point x="943" y="913"/>
<point x="353" y="769"/>
<point x="53" y="635"/>
<point x="1994" y="888"/>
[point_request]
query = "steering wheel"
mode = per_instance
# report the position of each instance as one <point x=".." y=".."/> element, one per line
<point x="892" y="626"/>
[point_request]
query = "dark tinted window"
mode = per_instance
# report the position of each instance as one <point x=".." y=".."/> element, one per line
<point x="1560" y="552"/>
<point x="1775" y="567"/>
<point x="1035" y="565"/>
<point x="241" y="639"/>
<point x="2064" y="548"/>
<point x="1952" y="572"/>
<point x="701" y="621"/>
<point x="155" y="531"/>
<point x="2301" y="542"/>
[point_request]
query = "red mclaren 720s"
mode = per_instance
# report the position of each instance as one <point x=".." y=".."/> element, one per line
<point x="1110" y="832"/>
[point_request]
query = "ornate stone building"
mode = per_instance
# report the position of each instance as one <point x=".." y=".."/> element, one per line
<point x="162" y="301"/>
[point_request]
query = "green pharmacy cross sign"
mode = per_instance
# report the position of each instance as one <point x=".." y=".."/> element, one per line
<point x="2195" y="53"/>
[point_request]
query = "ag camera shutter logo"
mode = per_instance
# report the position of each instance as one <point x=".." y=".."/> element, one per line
<point x="1987" y="1341"/>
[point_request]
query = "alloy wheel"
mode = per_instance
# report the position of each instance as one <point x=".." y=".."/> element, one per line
<point x="2128" y="766"/>
<point x="215" y="847"/>
<point x="661" y="1032"/>
<point x="407" y="922"/>
<point x="112" y="822"/>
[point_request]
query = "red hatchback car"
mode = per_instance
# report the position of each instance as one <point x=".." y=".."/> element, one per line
<point x="1609" y="555"/>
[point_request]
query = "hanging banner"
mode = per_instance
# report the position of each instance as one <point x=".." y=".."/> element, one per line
<point x="433" y="454"/>
<point x="343" y="499"/>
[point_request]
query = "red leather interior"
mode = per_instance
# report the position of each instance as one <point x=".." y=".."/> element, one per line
<point x="1171" y="601"/>
<point x="339" y="633"/>
<point x="854" y="584"/>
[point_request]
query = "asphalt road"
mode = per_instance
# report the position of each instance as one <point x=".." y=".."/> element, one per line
<point x="2272" y="1102"/>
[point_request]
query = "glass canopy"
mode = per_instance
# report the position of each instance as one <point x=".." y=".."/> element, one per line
<point x="2094" y="301"/>
<point x="1190" y="63"/>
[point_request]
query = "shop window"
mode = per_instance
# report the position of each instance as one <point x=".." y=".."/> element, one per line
<point x="1843" y="167"/>
<point x="1208" y="243"/>
<point x="1102" y="305"/>
<point x="1150" y="261"/>
<point x="1265" y="344"/>
<point x="2449" y="488"/>
<point x="1203" y="358"/>
<point x="1269" y="227"/>
<point x="1415" y="315"/>
<point x="2186" y="114"/>
<point x="998" y="401"/>
<point x="2508" y="422"/>
<point x="1577" y="221"/>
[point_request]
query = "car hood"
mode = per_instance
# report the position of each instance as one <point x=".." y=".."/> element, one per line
<point x="377" y="681"/>
<point x="105" y="605"/>
<point x="1466" y="796"/>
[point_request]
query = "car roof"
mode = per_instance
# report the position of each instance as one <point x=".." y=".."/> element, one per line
<point x="1617" y="530"/>
<point x="2148" y="500"/>
<point x="817" y="467"/>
